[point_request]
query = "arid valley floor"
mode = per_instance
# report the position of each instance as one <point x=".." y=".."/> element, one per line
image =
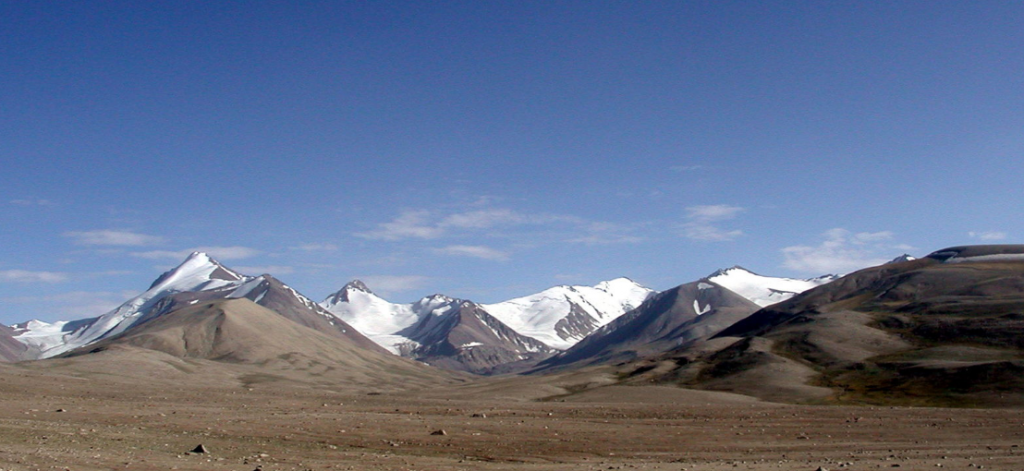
<point x="93" y="417"/>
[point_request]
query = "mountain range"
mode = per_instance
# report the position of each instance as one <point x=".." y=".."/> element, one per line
<point x="446" y="332"/>
<point x="945" y="329"/>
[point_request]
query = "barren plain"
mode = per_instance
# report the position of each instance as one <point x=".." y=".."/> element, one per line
<point x="78" y="415"/>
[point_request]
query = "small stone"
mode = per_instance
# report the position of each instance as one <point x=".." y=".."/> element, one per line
<point x="200" y="449"/>
<point x="439" y="432"/>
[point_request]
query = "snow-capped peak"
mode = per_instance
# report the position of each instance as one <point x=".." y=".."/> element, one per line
<point x="353" y="289"/>
<point x="618" y="285"/>
<point x="197" y="267"/>
<point x="357" y="285"/>
<point x="763" y="290"/>
<point x="563" y="315"/>
<point x="198" y="272"/>
<point x="726" y="271"/>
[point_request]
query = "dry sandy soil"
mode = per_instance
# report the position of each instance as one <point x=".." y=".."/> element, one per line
<point x="59" y="418"/>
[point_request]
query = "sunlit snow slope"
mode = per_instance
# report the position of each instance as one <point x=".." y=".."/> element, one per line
<point x="564" y="315"/>
<point x="764" y="290"/>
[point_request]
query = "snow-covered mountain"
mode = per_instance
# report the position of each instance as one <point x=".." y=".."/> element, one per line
<point x="508" y="336"/>
<point x="198" y="278"/>
<point x="377" y="318"/>
<point x="562" y="316"/>
<point x="558" y="317"/>
<point x="461" y="335"/>
<point x="439" y="330"/>
<point x="764" y="290"/>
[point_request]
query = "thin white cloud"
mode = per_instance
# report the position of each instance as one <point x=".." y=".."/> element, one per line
<point x="315" y="247"/>
<point x="484" y="219"/>
<point x="113" y="237"/>
<point x="987" y="236"/>
<point x="476" y="251"/>
<point x="685" y="168"/>
<point x="604" y="233"/>
<point x="842" y="251"/>
<point x="714" y="212"/>
<point x="220" y="253"/>
<point x="499" y="222"/>
<point x="862" y="238"/>
<point x="73" y="305"/>
<point x="26" y="276"/>
<point x="702" y="222"/>
<point x="32" y="202"/>
<point x="410" y="224"/>
<point x="423" y="224"/>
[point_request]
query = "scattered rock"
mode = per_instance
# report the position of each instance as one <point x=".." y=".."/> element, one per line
<point x="200" y="449"/>
<point x="482" y="416"/>
<point x="439" y="432"/>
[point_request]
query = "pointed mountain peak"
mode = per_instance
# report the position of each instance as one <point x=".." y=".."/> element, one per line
<point x="198" y="264"/>
<point x="357" y="285"/>
<point x="201" y="257"/>
<point x="726" y="271"/>
<point x="344" y="295"/>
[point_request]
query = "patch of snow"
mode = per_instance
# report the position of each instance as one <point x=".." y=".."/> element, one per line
<point x="698" y="310"/>
<point x="764" y="290"/>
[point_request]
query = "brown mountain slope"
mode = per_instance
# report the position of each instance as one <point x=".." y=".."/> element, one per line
<point x="947" y="329"/>
<point x="10" y="349"/>
<point x="238" y="331"/>
<point x="677" y="317"/>
<point x="467" y="338"/>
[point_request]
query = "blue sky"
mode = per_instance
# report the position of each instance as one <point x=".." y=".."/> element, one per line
<point x="488" y="150"/>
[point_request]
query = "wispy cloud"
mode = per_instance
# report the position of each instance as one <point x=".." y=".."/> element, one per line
<point x="32" y="202"/>
<point x="476" y="251"/>
<point x="73" y="305"/>
<point x="315" y="247"/>
<point x="702" y="222"/>
<point x="842" y="251"/>
<point x="987" y="236"/>
<point x="220" y="253"/>
<point x="685" y="168"/>
<point x="498" y="222"/>
<point x="26" y="276"/>
<point x="113" y="237"/>
<point x="410" y="224"/>
<point x="604" y="233"/>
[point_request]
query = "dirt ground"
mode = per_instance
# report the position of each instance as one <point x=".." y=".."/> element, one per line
<point x="70" y="423"/>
